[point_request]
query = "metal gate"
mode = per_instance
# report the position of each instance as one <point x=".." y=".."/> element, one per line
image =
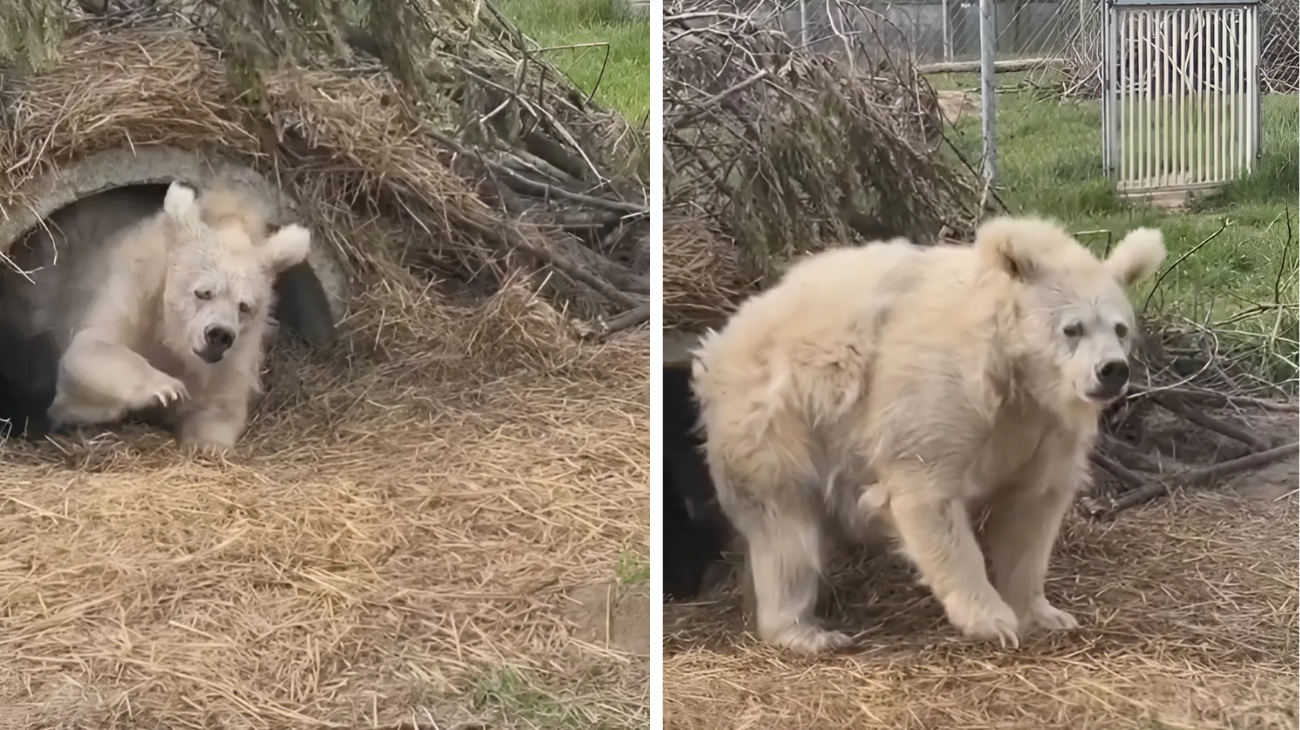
<point x="1181" y="106"/>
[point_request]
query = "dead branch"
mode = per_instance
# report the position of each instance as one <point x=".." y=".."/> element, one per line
<point x="1007" y="66"/>
<point x="627" y="320"/>
<point x="1133" y="481"/>
<point x="1200" y="418"/>
<point x="1188" y="478"/>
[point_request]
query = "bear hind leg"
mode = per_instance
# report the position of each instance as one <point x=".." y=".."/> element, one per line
<point x="782" y="574"/>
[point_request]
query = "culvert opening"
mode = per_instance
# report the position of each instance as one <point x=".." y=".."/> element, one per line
<point x="696" y="533"/>
<point x="28" y="352"/>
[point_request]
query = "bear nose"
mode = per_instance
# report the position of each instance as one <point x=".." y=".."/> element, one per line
<point x="219" y="337"/>
<point x="1113" y="375"/>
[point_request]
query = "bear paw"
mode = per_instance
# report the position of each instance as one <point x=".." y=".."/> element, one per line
<point x="984" y="619"/>
<point x="207" y="449"/>
<point x="811" y="640"/>
<point x="1042" y="614"/>
<point x="165" y="390"/>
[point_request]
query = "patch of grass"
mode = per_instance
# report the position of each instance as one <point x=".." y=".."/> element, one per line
<point x="631" y="568"/>
<point x="1242" y="282"/>
<point x="519" y="697"/>
<point x="623" y="81"/>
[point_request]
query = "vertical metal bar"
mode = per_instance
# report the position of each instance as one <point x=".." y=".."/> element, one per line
<point x="1217" y="96"/>
<point x="1107" y="86"/>
<point x="1221" y="98"/>
<point x="1148" y="108"/>
<point x="803" y="23"/>
<point x="947" y="38"/>
<point x="1252" y="108"/>
<point x="1126" y="57"/>
<point x="1236" y="87"/>
<point x="1202" y="84"/>
<point x="1162" y="89"/>
<point x="988" y="38"/>
<point x="1176" y="68"/>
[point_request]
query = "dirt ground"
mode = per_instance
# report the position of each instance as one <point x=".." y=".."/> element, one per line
<point x="1189" y="620"/>
<point x="415" y="533"/>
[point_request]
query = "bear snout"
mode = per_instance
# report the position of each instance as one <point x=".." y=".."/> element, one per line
<point x="1112" y="378"/>
<point x="216" y="340"/>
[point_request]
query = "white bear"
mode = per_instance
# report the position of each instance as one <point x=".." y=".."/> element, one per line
<point x="898" y="390"/>
<point x="169" y="312"/>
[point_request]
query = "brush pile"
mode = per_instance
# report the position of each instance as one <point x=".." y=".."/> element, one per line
<point x="438" y="117"/>
<point x="772" y="150"/>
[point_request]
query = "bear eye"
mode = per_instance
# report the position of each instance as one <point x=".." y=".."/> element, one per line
<point x="204" y="294"/>
<point x="1074" y="329"/>
<point x="1121" y="330"/>
<point x="245" y="307"/>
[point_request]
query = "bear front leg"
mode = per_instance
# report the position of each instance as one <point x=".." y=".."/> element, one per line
<point x="214" y="426"/>
<point x="1021" y="530"/>
<point x="935" y="529"/>
<point x="101" y="381"/>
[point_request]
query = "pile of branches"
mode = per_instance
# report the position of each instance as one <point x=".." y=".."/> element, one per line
<point x="438" y="117"/>
<point x="771" y="151"/>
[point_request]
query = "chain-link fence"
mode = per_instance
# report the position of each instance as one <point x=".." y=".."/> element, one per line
<point x="1280" y="46"/>
<point x="1037" y="36"/>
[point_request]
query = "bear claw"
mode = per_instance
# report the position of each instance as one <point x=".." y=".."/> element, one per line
<point x="1042" y="614"/>
<point x="985" y="620"/>
<point x="171" y="392"/>
<point x="810" y="640"/>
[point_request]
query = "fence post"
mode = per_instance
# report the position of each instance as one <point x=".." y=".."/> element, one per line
<point x="988" y="39"/>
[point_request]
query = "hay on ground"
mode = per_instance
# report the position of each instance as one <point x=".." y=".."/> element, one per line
<point x="1188" y="620"/>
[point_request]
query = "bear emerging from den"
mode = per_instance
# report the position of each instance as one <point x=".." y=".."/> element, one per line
<point x="168" y="317"/>
<point x="895" y="390"/>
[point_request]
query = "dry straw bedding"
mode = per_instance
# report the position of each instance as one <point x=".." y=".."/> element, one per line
<point x="1189" y="613"/>
<point x="402" y="521"/>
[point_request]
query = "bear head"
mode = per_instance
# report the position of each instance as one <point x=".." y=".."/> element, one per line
<point x="219" y="282"/>
<point x="1072" y="315"/>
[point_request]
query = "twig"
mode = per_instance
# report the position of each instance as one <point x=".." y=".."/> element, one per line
<point x="517" y="240"/>
<point x="1125" y="454"/>
<point x="537" y="187"/>
<point x="627" y="320"/>
<point x="1176" y="407"/>
<point x="707" y="104"/>
<point x="1223" y="226"/>
<point x="1114" y="469"/>
<point x="1217" y="399"/>
<point x="1192" y="477"/>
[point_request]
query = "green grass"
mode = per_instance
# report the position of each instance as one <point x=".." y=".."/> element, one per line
<point x="621" y="82"/>
<point x="523" y="700"/>
<point x="631" y="568"/>
<point x="1243" y="281"/>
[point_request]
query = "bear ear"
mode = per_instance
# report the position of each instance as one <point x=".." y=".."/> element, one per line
<point x="1016" y="247"/>
<point x="286" y="247"/>
<point x="1138" y="256"/>
<point x="180" y="202"/>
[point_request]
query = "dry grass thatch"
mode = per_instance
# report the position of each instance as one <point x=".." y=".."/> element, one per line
<point x="771" y="151"/>
<point x="482" y="163"/>
<point x="1189" y="619"/>
<point x="400" y="537"/>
